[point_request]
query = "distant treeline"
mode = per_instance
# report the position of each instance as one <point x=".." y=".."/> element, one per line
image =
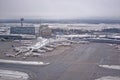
<point x="89" y="21"/>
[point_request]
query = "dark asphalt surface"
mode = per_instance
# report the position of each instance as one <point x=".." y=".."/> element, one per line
<point x="80" y="62"/>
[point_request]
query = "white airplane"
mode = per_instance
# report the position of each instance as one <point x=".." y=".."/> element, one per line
<point x="47" y="49"/>
<point x="10" y="55"/>
<point x="28" y="54"/>
<point x="38" y="51"/>
<point x="51" y="46"/>
<point x="36" y="54"/>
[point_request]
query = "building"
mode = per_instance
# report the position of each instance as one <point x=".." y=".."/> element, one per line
<point x="27" y="32"/>
<point x="22" y="30"/>
<point x="45" y="31"/>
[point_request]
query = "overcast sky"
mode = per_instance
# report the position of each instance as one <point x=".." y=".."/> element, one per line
<point x="60" y="9"/>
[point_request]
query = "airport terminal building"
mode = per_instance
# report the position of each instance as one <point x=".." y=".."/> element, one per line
<point x="25" y="32"/>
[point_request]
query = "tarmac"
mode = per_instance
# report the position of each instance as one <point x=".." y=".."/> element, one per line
<point x="77" y="62"/>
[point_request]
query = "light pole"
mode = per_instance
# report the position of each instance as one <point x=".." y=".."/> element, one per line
<point x="22" y="19"/>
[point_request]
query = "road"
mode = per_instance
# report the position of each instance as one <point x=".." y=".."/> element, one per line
<point x="80" y="62"/>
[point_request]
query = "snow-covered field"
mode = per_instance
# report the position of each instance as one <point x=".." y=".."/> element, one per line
<point x="23" y="62"/>
<point x="84" y="26"/>
<point x="13" y="75"/>
<point x="68" y="26"/>
<point x="108" y="78"/>
<point x="117" y="67"/>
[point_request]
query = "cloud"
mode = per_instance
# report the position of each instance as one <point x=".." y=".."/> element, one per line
<point x="60" y="8"/>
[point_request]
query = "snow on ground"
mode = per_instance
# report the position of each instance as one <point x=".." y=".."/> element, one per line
<point x="108" y="78"/>
<point x="13" y="75"/>
<point x="111" y="67"/>
<point x="79" y="35"/>
<point x="23" y="62"/>
<point x="84" y="26"/>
